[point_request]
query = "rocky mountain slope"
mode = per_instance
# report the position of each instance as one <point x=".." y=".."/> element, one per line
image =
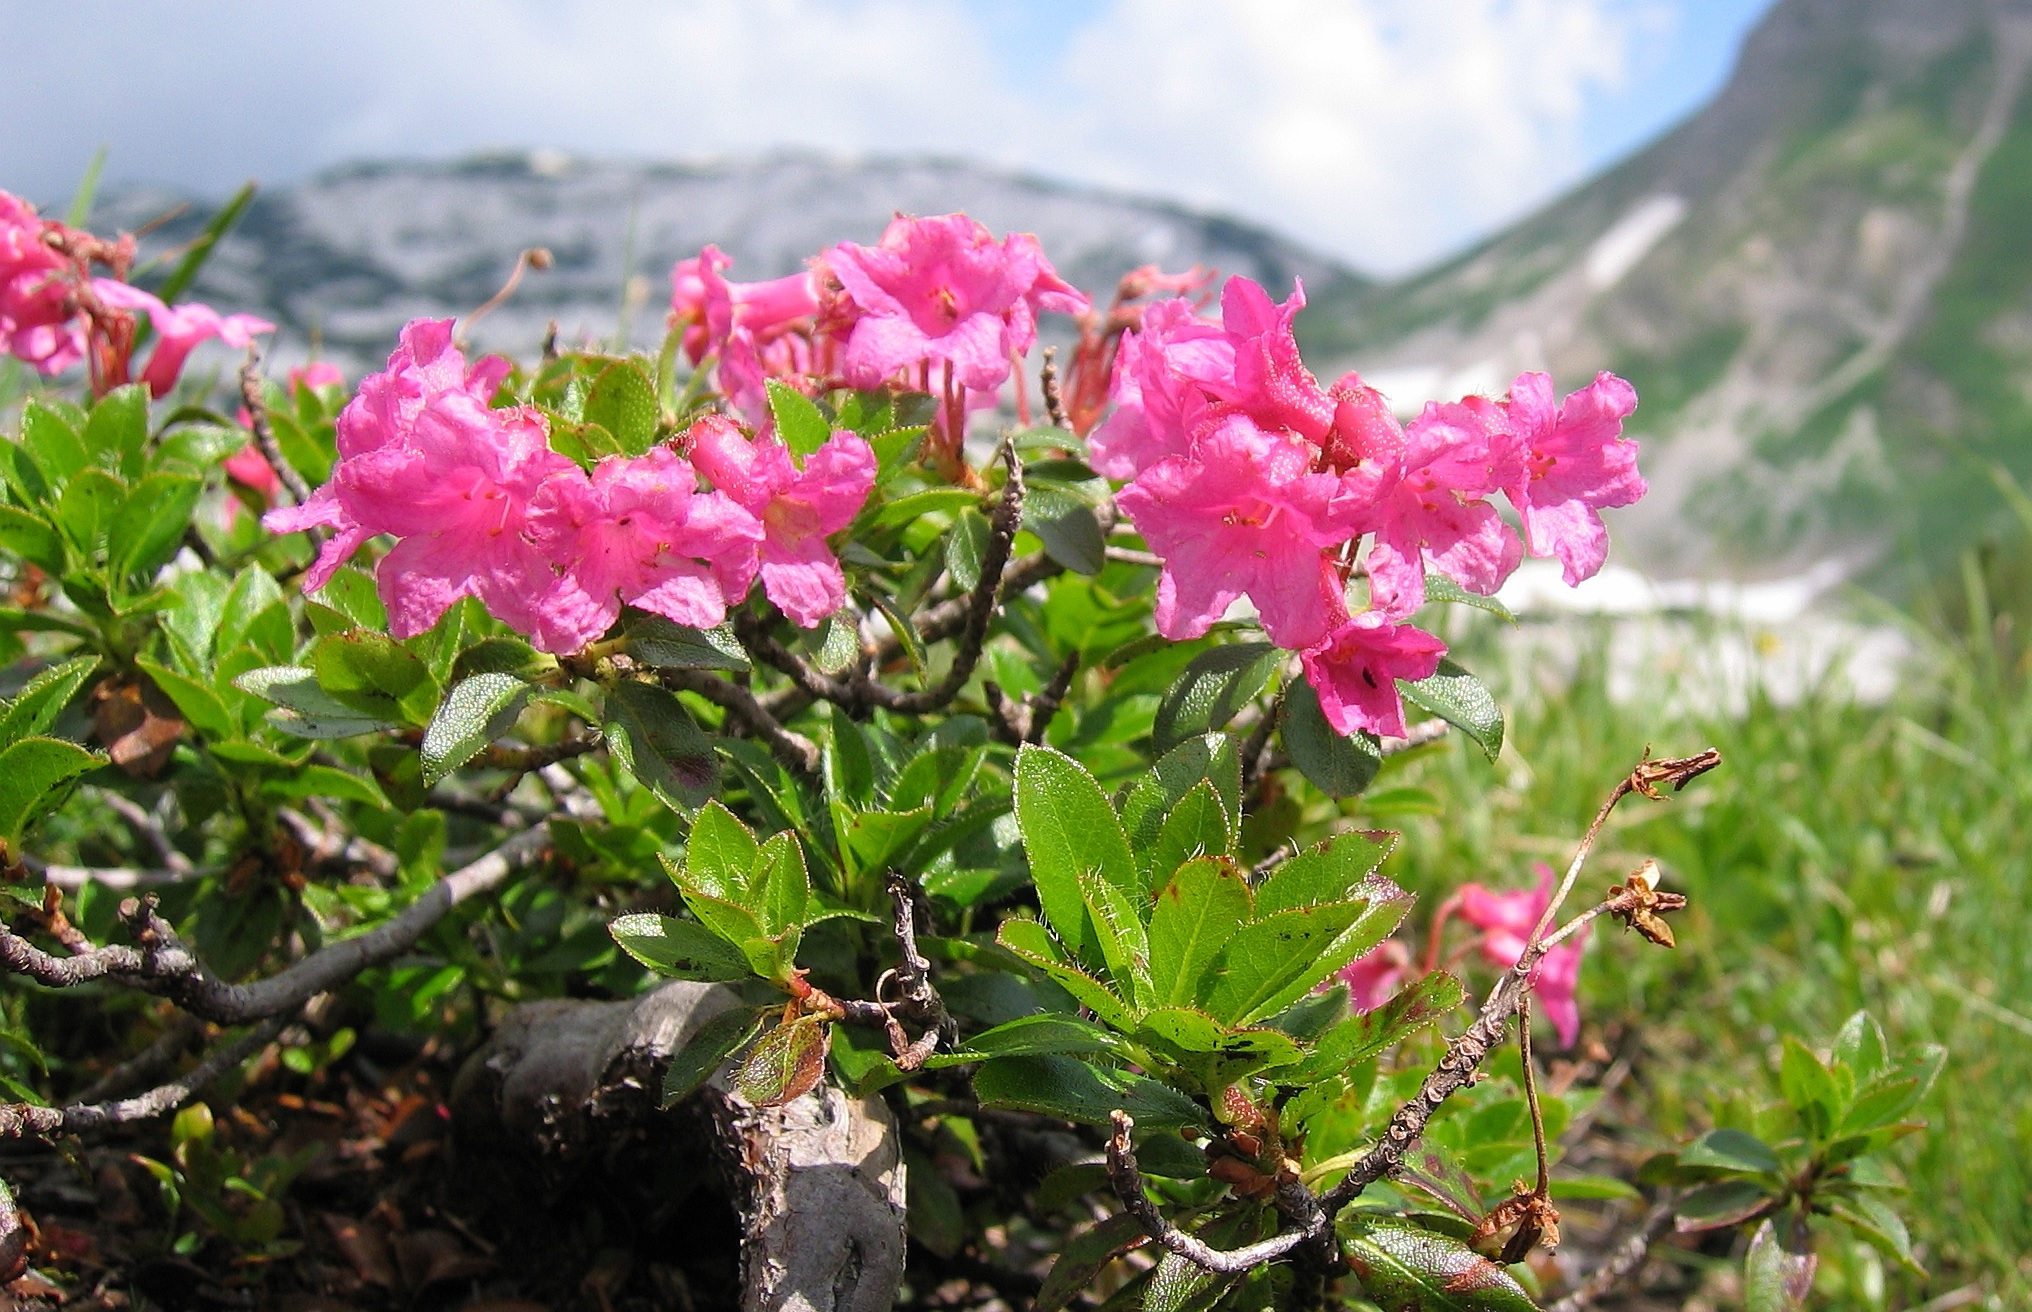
<point x="348" y="257"/>
<point x="1821" y="284"/>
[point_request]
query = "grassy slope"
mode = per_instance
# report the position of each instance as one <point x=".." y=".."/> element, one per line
<point x="1843" y="857"/>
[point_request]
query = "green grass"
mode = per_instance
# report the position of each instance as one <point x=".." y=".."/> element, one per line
<point x="1842" y="857"/>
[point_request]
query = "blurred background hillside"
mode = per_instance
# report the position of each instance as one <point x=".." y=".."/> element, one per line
<point x="1814" y="261"/>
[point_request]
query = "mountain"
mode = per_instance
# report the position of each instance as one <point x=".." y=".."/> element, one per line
<point x="1821" y="285"/>
<point x="348" y="257"/>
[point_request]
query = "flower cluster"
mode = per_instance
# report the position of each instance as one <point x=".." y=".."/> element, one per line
<point x="481" y="506"/>
<point x="1252" y="481"/>
<point x="938" y="305"/>
<point x="54" y="313"/>
<point x="1506" y="921"/>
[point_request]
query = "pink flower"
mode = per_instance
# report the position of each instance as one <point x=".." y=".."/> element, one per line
<point x="316" y="374"/>
<point x="1506" y="921"/>
<point x="179" y="329"/>
<point x="639" y="532"/>
<point x="1373" y="977"/>
<point x="249" y="468"/>
<point x="797" y="508"/>
<point x="1157" y="401"/>
<point x="458" y="494"/>
<point x="1355" y="673"/>
<point x="1455" y="455"/>
<point x="943" y="292"/>
<point x="422" y="457"/>
<point x="39" y="319"/>
<point x="1245" y="514"/>
<point x="710" y="307"/>
<point x="1575" y="461"/>
<point x="1266" y="378"/>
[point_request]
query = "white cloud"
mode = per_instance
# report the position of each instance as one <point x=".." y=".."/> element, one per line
<point x="1382" y="130"/>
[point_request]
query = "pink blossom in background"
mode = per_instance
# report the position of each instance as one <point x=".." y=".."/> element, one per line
<point x="639" y="532"/>
<point x="1354" y="673"/>
<point x="943" y="292"/>
<point x="797" y="508"/>
<point x="710" y="307"/>
<point x="1246" y="514"/>
<point x="39" y="319"/>
<point x="1373" y="978"/>
<point x="1157" y="401"/>
<point x="1455" y="456"/>
<point x="1506" y="921"/>
<point x="249" y="468"/>
<point x="1575" y="461"/>
<point x="179" y="329"/>
<point x="316" y="374"/>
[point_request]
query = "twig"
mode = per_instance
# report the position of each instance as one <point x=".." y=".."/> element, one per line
<point x="1255" y="748"/>
<point x="793" y="749"/>
<point x="328" y="845"/>
<point x="1047" y="381"/>
<point x="163" y="965"/>
<point x="1629" y="1256"/>
<point x="524" y="760"/>
<point x="1129" y="556"/>
<point x="264" y="437"/>
<point x="1465" y="1054"/>
<point x="1677" y="771"/>
<point x="1025" y="719"/>
<point x="1128" y="1182"/>
<point x="22" y="1118"/>
<point x="147" y="827"/>
<point x="146" y="1064"/>
<point x="72" y="878"/>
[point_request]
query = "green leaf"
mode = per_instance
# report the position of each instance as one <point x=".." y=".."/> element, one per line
<point x="1068" y="528"/>
<point x="1860" y="1047"/>
<point x="785" y="1064"/>
<point x="654" y="736"/>
<point x="476" y="712"/>
<point x="32" y="538"/>
<point x="1150" y="799"/>
<point x="1038" y="1035"/>
<point x="351" y="592"/>
<point x="659" y="642"/>
<point x="1279" y="958"/>
<point x="500" y="655"/>
<point x="966" y="546"/>
<point x="1730" y="1150"/>
<point x="1078" y="1091"/>
<point x="200" y="249"/>
<point x="1118" y="930"/>
<point x="117" y="429"/>
<point x="1809" y="1087"/>
<point x="1198" y="826"/>
<point x="1459" y="698"/>
<point x="799" y="422"/>
<point x="43" y="698"/>
<point x="198" y="704"/>
<point x="678" y="948"/>
<point x="1721" y="1204"/>
<point x="1408" y="1269"/>
<point x="150" y="525"/>
<point x="1083" y="1256"/>
<point x="779" y="889"/>
<point x="1180" y="1285"/>
<point x="850" y="765"/>
<point x="1031" y="942"/>
<point x="326" y="781"/>
<point x="623" y="401"/>
<point x="1440" y="588"/>
<point x="918" y="504"/>
<point x="1182" y="1032"/>
<point x="297" y="688"/>
<point x="1332" y="871"/>
<point x="375" y="676"/>
<point x="708" y="1050"/>
<point x="1877" y="1223"/>
<point x="87" y="508"/>
<point x="720" y="853"/>
<point x="1337" y="766"/>
<point x="1069" y="830"/>
<point x="1773" y="1279"/>
<point x="1213" y="689"/>
<point x="52" y="444"/>
<point x="1200" y="907"/>
<point x="31" y="770"/>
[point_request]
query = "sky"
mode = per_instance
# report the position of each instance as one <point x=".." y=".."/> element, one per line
<point x="1385" y="132"/>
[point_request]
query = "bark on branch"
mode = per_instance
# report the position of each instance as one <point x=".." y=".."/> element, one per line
<point x="161" y="964"/>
